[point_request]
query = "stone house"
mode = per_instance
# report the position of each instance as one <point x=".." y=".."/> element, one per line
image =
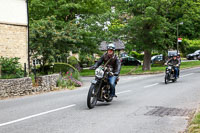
<point x="14" y="29"/>
<point x="120" y="47"/>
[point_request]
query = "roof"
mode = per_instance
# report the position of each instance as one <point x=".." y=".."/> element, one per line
<point x="118" y="44"/>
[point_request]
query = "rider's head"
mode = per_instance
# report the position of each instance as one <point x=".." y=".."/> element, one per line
<point x="110" y="49"/>
<point x="174" y="57"/>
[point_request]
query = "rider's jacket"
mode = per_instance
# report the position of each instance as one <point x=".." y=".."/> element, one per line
<point x="114" y="63"/>
<point x="174" y="62"/>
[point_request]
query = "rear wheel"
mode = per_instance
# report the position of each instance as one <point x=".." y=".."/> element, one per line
<point x="91" y="98"/>
<point x="166" y="78"/>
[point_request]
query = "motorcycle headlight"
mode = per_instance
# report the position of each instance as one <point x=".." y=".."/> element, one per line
<point x="99" y="72"/>
<point x="169" y="67"/>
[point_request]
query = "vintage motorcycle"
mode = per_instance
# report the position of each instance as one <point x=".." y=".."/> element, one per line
<point x="170" y="74"/>
<point x="100" y="87"/>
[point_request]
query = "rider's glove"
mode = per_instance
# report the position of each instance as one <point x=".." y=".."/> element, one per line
<point x="111" y="74"/>
<point x="116" y="74"/>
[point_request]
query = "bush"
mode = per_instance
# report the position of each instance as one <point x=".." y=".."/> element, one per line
<point x="137" y="55"/>
<point x="63" y="67"/>
<point x="56" y="68"/>
<point x="89" y="60"/>
<point x="69" y="80"/>
<point x="74" y="62"/>
<point x="189" y="46"/>
<point x="11" y="68"/>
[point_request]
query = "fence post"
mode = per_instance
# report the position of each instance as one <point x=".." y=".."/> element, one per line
<point x="24" y="69"/>
<point x="35" y="71"/>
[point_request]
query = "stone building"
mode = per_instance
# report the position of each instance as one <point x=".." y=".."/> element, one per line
<point x="14" y="29"/>
<point x="120" y="47"/>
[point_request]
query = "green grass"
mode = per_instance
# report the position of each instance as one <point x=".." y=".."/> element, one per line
<point x="195" y="125"/>
<point x="125" y="70"/>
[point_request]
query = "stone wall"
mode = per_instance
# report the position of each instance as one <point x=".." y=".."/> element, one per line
<point x="46" y="83"/>
<point x="15" y="87"/>
<point x="24" y="86"/>
<point x="14" y="42"/>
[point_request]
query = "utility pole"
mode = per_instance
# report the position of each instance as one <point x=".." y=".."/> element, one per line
<point x="177" y="36"/>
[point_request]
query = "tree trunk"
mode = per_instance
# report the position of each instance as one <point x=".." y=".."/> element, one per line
<point x="147" y="60"/>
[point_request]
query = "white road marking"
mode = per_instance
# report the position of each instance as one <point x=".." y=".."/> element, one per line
<point x="32" y="116"/>
<point x="151" y="85"/>
<point x="123" y="92"/>
<point x="186" y="75"/>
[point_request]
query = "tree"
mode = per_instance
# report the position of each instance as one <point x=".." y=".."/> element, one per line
<point x="65" y="10"/>
<point x="51" y="43"/>
<point x="147" y="28"/>
<point x="55" y="27"/>
<point x="152" y="24"/>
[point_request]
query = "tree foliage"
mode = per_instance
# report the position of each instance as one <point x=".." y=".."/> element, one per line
<point x="152" y="24"/>
<point x="80" y="25"/>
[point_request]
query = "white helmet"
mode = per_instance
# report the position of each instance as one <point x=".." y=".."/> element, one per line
<point x="111" y="46"/>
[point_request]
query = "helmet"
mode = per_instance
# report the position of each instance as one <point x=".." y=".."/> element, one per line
<point x="111" y="46"/>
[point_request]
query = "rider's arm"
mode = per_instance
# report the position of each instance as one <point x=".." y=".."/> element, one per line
<point x="99" y="62"/>
<point x="118" y="67"/>
<point x="178" y="62"/>
<point x="168" y="61"/>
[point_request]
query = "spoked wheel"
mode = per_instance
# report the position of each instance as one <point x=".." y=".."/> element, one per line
<point x="91" y="98"/>
<point x="166" y="79"/>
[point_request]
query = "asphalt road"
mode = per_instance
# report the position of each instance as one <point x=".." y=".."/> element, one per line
<point x="144" y="105"/>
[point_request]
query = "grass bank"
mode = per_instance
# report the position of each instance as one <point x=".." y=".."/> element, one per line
<point x="128" y="70"/>
<point x="194" y="126"/>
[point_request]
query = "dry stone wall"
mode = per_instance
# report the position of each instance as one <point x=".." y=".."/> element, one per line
<point x="24" y="86"/>
<point x="15" y="87"/>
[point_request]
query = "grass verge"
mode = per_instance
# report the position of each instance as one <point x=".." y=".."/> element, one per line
<point x="127" y="70"/>
<point x="194" y="126"/>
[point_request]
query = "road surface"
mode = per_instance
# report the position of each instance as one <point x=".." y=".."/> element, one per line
<point x="144" y="105"/>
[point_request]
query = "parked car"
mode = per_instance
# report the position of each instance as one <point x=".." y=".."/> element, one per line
<point x="171" y="53"/>
<point x="198" y="57"/>
<point x="157" y="59"/>
<point x="128" y="60"/>
<point x="193" y="56"/>
<point x="123" y="55"/>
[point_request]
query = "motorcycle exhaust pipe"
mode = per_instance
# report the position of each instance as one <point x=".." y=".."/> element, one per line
<point x="106" y="96"/>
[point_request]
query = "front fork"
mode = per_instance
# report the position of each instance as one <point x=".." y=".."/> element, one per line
<point x="98" y="83"/>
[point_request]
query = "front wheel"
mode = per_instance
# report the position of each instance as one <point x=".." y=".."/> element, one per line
<point x="166" y="79"/>
<point x="91" y="98"/>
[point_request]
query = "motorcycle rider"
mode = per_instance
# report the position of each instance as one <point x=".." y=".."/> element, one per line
<point x="113" y="63"/>
<point x="179" y="58"/>
<point x="176" y="63"/>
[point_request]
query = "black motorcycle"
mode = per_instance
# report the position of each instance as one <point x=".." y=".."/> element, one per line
<point x="100" y="87"/>
<point x="170" y="74"/>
